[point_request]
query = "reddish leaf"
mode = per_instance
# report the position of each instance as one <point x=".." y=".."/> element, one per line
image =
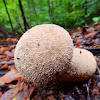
<point x="5" y="66"/>
<point x="2" y="57"/>
<point x="0" y="94"/>
<point x="19" y="87"/>
<point x="87" y="31"/>
<point x="28" y="91"/>
<point x="10" y="76"/>
<point x="11" y="40"/>
<point x="78" y="44"/>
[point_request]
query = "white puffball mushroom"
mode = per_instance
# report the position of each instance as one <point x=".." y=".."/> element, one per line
<point x="82" y="66"/>
<point x="43" y="52"/>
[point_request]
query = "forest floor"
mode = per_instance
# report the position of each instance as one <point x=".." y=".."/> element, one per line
<point x="14" y="87"/>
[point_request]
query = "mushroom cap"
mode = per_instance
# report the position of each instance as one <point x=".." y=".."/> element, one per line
<point x="42" y="52"/>
<point x="82" y="66"/>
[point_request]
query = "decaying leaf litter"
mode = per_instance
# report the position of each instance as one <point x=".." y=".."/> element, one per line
<point x="13" y="86"/>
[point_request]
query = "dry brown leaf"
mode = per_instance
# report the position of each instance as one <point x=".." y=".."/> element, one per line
<point x="96" y="91"/>
<point x="19" y="96"/>
<point x="2" y="57"/>
<point x="87" y="31"/>
<point x="3" y="49"/>
<point x="22" y="91"/>
<point x="10" y="76"/>
<point x="8" y="95"/>
<point x="25" y="90"/>
<point x="19" y="87"/>
<point x="99" y="85"/>
<point x="13" y="50"/>
<point x="0" y="94"/>
<point x="12" y="59"/>
<point x="5" y="66"/>
<point x="91" y="35"/>
<point x="28" y="91"/>
<point x="9" y="54"/>
<point x="78" y="44"/>
<point x="11" y="40"/>
<point x="10" y="62"/>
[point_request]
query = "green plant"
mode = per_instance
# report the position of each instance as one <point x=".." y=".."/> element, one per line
<point x="66" y="13"/>
<point x="96" y="19"/>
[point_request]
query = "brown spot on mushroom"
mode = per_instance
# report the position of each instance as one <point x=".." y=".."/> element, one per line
<point x="80" y="51"/>
<point x="18" y="58"/>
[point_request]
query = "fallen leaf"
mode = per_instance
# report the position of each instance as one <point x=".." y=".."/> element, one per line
<point x="28" y="91"/>
<point x="87" y="31"/>
<point x="95" y="91"/>
<point x="5" y="66"/>
<point x="11" y="62"/>
<point x="25" y="90"/>
<point x="11" y="40"/>
<point x="10" y="76"/>
<point x="93" y="81"/>
<point x="8" y="95"/>
<point x="79" y="30"/>
<point x="12" y="59"/>
<point x="9" y="54"/>
<point x="3" y="49"/>
<point x="19" y="96"/>
<point x="0" y="94"/>
<point x="78" y="44"/>
<point x="19" y="87"/>
<point x="90" y="35"/>
<point x="2" y="57"/>
<point x="99" y="85"/>
<point x="22" y="91"/>
<point x="13" y="50"/>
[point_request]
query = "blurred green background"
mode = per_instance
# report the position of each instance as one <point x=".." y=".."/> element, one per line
<point x="16" y="16"/>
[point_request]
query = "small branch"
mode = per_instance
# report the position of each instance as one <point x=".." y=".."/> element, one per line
<point x="19" y="25"/>
<point x="23" y="16"/>
<point x="88" y="95"/>
<point x="8" y="16"/>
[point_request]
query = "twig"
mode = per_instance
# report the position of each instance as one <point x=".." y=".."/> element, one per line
<point x="88" y="96"/>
